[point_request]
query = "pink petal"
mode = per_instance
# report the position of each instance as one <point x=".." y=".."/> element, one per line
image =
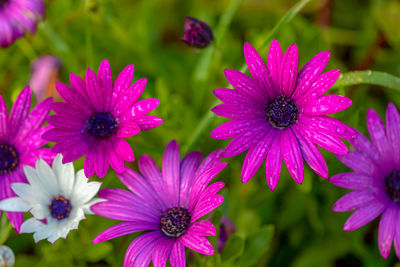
<point x="178" y="257"/>
<point x="88" y="165"/>
<point x="132" y="95"/>
<point x="205" y="206"/>
<point x="94" y="90"/>
<point x="364" y="215"/>
<point x="126" y="211"/>
<point x="74" y="98"/>
<point x="397" y="237"/>
<point x="292" y="155"/>
<point x="101" y="163"/>
<point x="311" y="155"/>
<point x="274" y="63"/>
<point x="320" y="86"/>
<point x="358" y="161"/>
<point x="4" y="128"/>
<point x="354" y="200"/>
<point x="122" y="83"/>
<point x="170" y="171"/>
<point x="259" y="70"/>
<point x="124" y="149"/>
<point x="246" y="86"/>
<point x="246" y="140"/>
<point x="273" y="163"/>
<point x="376" y="129"/>
<point x="137" y="245"/>
<point x="362" y="145"/>
<point x="353" y="180"/>
<point x="124" y="228"/>
<point x="310" y="73"/>
<point x="288" y="70"/>
<point x="327" y="142"/>
<point x="162" y="251"/>
<point x="141" y="187"/>
<point x="202" y="181"/>
<point x="233" y="128"/>
<point x="148" y="122"/>
<point x="328" y="126"/>
<point x="203" y="228"/>
<point x="188" y="169"/>
<point x="256" y="155"/>
<point x="327" y="104"/>
<point x="61" y="121"/>
<point x="393" y="131"/>
<point x="232" y="96"/>
<point x="34" y="120"/>
<point x="197" y="243"/>
<point x="210" y="161"/>
<point x="239" y="111"/>
<point x="387" y="229"/>
<point x="117" y="163"/>
<point x="144" y="106"/>
<point x="128" y="129"/>
<point x="19" y="110"/>
<point x="78" y="84"/>
<point x="104" y="77"/>
<point x="62" y="108"/>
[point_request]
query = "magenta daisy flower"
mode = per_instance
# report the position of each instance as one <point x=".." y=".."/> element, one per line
<point x="96" y="117"/>
<point x="167" y="205"/>
<point x="20" y="142"/>
<point x="375" y="180"/>
<point x="16" y="16"/>
<point x="280" y="113"/>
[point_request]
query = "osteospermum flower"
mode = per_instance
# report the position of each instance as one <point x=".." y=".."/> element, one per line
<point x="280" y="114"/>
<point x="166" y="204"/>
<point x="96" y="117"/>
<point x="197" y="33"/>
<point x="17" y="16"/>
<point x="375" y="180"/>
<point x="56" y="196"/>
<point x="20" y="142"/>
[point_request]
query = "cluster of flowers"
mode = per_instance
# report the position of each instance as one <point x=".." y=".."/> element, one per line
<point x="278" y="114"/>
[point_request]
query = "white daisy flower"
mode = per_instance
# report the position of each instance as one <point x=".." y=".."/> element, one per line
<point x="57" y="198"/>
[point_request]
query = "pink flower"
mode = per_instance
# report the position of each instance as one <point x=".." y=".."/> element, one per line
<point x="166" y="204"/>
<point x="96" y="117"/>
<point x="280" y="113"/>
<point x="16" y="16"/>
<point x="20" y="142"/>
<point x="375" y="180"/>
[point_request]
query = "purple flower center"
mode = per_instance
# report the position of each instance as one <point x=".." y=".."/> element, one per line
<point x="175" y="221"/>
<point x="9" y="158"/>
<point x="282" y="112"/>
<point x="3" y="2"/>
<point x="60" y="208"/>
<point x="392" y="186"/>
<point x="102" y="125"/>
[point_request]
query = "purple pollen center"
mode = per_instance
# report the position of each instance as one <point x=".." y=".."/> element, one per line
<point x="175" y="221"/>
<point x="102" y="125"/>
<point x="9" y="158"/>
<point x="392" y="186"/>
<point x="282" y="112"/>
<point x="60" y="208"/>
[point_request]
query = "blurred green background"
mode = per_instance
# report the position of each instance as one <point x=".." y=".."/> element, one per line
<point x="291" y="226"/>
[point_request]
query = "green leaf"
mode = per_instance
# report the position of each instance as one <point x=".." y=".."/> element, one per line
<point x="233" y="248"/>
<point x="256" y="245"/>
<point x="368" y="77"/>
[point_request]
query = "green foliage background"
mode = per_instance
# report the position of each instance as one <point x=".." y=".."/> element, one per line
<point x="291" y="226"/>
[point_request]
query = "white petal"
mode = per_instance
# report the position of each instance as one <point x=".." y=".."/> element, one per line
<point x="47" y="176"/>
<point x="31" y="194"/>
<point x="86" y="208"/>
<point x="14" y="204"/>
<point x="86" y="193"/>
<point x="65" y="175"/>
<point x="40" y="212"/>
<point x="40" y="230"/>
